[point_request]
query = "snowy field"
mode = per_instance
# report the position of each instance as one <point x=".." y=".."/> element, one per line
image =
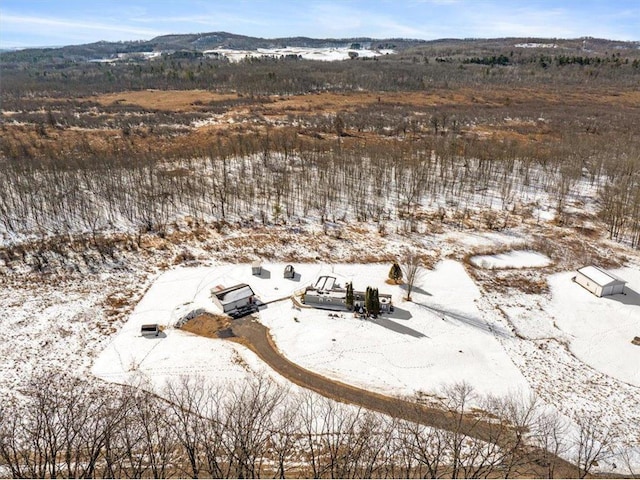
<point x="438" y="339"/>
<point x="449" y="333"/>
<point x="570" y="348"/>
<point x="601" y="329"/>
<point x="308" y="53"/>
<point x="512" y="259"/>
<point x="133" y="358"/>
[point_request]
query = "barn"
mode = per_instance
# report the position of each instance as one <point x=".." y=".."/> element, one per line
<point x="598" y="281"/>
<point x="234" y="299"/>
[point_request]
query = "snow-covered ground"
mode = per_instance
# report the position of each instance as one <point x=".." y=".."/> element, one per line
<point x="571" y="349"/>
<point x="536" y="45"/>
<point x="450" y="332"/>
<point x="512" y="259"/>
<point x="329" y="54"/>
<point x="130" y="357"/>
<point x="575" y="350"/>
<point x="62" y="325"/>
<point x="438" y="339"/>
<point x="601" y="329"/>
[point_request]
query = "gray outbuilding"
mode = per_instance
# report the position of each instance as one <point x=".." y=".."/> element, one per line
<point x="256" y="268"/>
<point x="233" y="299"/>
<point x="289" y="272"/>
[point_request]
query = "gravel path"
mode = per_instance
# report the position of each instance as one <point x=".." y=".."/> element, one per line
<point x="256" y="336"/>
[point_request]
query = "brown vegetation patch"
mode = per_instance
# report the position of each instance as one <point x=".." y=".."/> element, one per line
<point x="331" y="102"/>
<point x="505" y="282"/>
<point x="588" y="232"/>
<point x="170" y="100"/>
<point x="209" y="325"/>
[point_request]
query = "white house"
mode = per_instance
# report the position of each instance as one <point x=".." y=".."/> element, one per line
<point x="598" y="281"/>
<point x="234" y="299"/>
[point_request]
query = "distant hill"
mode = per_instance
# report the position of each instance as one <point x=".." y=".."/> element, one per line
<point x="199" y="42"/>
<point x="196" y="43"/>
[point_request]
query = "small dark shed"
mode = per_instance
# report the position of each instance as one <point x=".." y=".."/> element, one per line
<point x="150" y="329"/>
<point x="289" y="272"/>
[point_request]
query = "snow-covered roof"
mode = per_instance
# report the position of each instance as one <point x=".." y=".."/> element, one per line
<point x="325" y="283"/>
<point x="600" y="276"/>
<point x="233" y="294"/>
<point x="327" y="293"/>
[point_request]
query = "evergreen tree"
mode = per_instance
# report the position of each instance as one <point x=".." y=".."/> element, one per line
<point x="349" y="299"/>
<point x="395" y="273"/>
<point x="371" y="301"/>
<point x="368" y="300"/>
<point x="375" y="301"/>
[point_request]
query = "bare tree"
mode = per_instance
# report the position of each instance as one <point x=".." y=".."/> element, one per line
<point x="249" y="411"/>
<point x="187" y="399"/>
<point x="517" y="413"/>
<point x="549" y="431"/>
<point x="593" y="442"/>
<point x="412" y="270"/>
<point x="625" y="455"/>
<point x="283" y="439"/>
<point x="426" y="447"/>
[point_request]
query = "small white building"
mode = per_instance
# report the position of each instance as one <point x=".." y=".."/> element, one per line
<point x="234" y="299"/>
<point x="599" y="282"/>
<point x="256" y="268"/>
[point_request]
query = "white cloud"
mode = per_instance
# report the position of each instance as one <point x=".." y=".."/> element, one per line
<point x="426" y="19"/>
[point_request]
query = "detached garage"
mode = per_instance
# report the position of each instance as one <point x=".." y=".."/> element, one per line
<point x="599" y="282"/>
<point x="234" y="299"/>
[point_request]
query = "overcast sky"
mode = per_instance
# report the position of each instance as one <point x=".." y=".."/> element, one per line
<point x="64" y="22"/>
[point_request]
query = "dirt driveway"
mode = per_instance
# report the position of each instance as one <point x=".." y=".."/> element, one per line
<point x="256" y="336"/>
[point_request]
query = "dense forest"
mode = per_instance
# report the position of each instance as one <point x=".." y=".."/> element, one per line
<point x="531" y="120"/>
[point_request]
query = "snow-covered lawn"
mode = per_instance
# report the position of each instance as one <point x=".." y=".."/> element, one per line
<point x="437" y="339"/>
<point x="601" y="329"/>
<point x="131" y="357"/>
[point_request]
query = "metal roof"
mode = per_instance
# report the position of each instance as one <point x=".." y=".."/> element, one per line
<point x="600" y="276"/>
<point x="233" y="294"/>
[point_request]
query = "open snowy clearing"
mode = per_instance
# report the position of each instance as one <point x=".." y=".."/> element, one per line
<point x="438" y="339"/>
<point x="131" y="357"/>
<point x="449" y="333"/>
<point x="512" y="259"/>
<point x="330" y="54"/>
<point x="601" y="328"/>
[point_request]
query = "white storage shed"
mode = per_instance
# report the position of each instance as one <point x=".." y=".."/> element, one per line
<point x="599" y="282"/>
<point x="234" y="298"/>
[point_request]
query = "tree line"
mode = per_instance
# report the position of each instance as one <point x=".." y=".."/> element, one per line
<point x="282" y="177"/>
<point x="62" y="427"/>
<point x="411" y="70"/>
